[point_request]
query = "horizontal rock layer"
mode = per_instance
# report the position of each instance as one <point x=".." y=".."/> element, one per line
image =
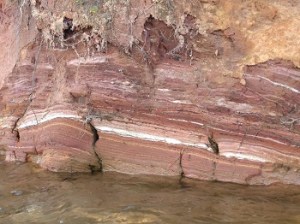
<point x="175" y="95"/>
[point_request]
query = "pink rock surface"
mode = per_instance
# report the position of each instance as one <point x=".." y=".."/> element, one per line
<point x="142" y="93"/>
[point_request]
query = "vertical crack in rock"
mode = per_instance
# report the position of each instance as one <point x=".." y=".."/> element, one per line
<point x="214" y="165"/>
<point x="180" y="164"/>
<point x="215" y="149"/>
<point x="181" y="183"/>
<point x="33" y="75"/>
<point x="213" y="144"/>
<point x="30" y="96"/>
<point x="95" y="139"/>
<point x="181" y="172"/>
<point x="14" y="128"/>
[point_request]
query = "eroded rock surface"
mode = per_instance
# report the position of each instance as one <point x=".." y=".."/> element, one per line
<point x="201" y="89"/>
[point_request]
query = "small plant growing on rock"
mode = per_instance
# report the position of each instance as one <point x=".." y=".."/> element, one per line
<point x="94" y="9"/>
<point x="79" y="2"/>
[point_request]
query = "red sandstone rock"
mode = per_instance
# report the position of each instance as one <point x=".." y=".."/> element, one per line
<point x="130" y="155"/>
<point x="139" y="88"/>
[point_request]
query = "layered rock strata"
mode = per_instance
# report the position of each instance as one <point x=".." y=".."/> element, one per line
<point x="200" y="89"/>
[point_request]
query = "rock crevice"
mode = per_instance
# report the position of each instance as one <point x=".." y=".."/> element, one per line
<point x="95" y="139"/>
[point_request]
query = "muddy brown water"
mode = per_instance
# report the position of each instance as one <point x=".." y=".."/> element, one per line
<point x="31" y="195"/>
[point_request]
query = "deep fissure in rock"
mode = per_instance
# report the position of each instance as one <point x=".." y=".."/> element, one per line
<point x="95" y="139"/>
<point x="15" y="131"/>
<point x="95" y="134"/>
<point x="180" y="164"/>
<point x="213" y="144"/>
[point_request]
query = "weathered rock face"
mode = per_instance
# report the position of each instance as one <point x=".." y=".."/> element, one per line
<point x="200" y="89"/>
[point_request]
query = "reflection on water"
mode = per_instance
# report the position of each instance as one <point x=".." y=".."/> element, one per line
<point x="30" y="195"/>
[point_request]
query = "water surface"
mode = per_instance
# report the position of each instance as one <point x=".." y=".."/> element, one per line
<point x="30" y="195"/>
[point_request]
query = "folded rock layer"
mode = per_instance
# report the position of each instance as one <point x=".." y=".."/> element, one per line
<point x="201" y="89"/>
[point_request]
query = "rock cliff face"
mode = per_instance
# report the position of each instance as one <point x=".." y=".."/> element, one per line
<point x="204" y="89"/>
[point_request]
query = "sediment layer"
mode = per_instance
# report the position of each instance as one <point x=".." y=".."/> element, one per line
<point x="153" y="88"/>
